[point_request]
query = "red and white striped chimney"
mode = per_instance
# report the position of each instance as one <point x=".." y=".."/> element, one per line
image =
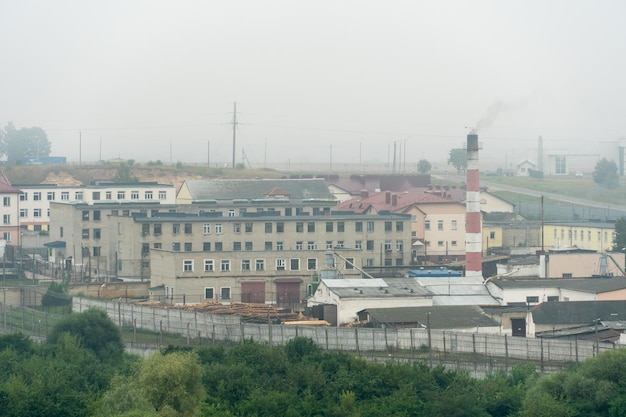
<point x="473" y="229"/>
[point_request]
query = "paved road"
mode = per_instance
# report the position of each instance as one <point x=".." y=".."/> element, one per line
<point x="493" y="186"/>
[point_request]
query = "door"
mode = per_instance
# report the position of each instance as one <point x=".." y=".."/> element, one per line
<point x="288" y="292"/>
<point x="253" y="292"/>
<point x="518" y="327"/>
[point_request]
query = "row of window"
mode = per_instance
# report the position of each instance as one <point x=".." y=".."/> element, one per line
<point x="281" y="264"/>
<point x="269" y="227"/>
<point x="95" y="195"/>
<point x="36" y="212"/>
<point x="440" y="225"/>
<point x="387" y="245"/>
<point x="574" y="234"/>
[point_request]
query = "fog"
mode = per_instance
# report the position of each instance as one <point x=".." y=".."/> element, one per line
<point x="314" y="82"/>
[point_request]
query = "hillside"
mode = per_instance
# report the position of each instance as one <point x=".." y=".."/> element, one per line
<point x="85" y="174"/>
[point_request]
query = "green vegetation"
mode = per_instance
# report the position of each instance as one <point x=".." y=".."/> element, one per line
<point x="423" y="166"/>
<point x="16" y="144"/>
<point x="605" y="174"/>
<point x="458" y="159"/>
<point x="79" y="373"/>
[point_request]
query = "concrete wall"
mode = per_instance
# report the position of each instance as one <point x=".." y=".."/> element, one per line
<point x="230" y="328"/>
<point x="112" y="290"/>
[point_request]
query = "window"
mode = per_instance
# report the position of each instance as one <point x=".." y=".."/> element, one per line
<point x="440" y="243"/>
<point x="341" y="227"/>
<point x="96" y="215"/>
<point x="134" y="195"/>
<point x="162" y="195"/>
<point x="339" y="244"/>
<point x="280" y="264"/>
<point x="6" y="236"/>
<point x="329" y="244"/>
<point x="399" y="226"/>
<point x="6" y="201"/>
<point x="96" y="251"/>
<point x="208" y="293"/>
<point x="387" y="245"/>
<point x="37" y="212"/>
<point x="237" y="246"/>
<point x="188" y="265"/>
<point x="109" y="195"/>
<point x="260" y="264"/>
<point x="369" y="245"/>
<point x="121" y="195"/>
<point x="560" y="166"/>
<point x="439" y="224"/>
<point x="311" y="264"/>
<point x="388" y="226"/>
<point x="299" y="227"/>
<point x="453" y="225"/>
<point x="147" y="195"/>
<point x="36" y="196"/>
<point x="492" y="235"/>
<point x="157" y="245"/>
<point x="358" y="245"/>
<point x="24" y="197"/>
<point x="310" y="227"/>
<point x="532" y="299"/>
<point x="294" y="264"/>
<point x="369" y="262"/>
<point x="329" y="226"/>
<point x="175" y="228"/>
<point x="218" y="229"/>
<point x="553" y="298"/>
<point x="206" y="246"/>
<point x="145" y="248"/>
<point x="236" y="227"/>
<point x="248" y="227"/>
<point x="268" y="245"/>
<point x="209" y="265"/>
<point x="65" y="195"/>
<point x="218" y="246"/>
<point x="176" y="246"/>
<point x="225" y="265"/>
<point x="567" y="275"/>
<point x="453" y="243"/>
<point x="245" y="264"/>
<point x="85" y="215"/>
<point x="288" y="211"/>
<point x="280" y="246"/>
<point x="248" y="246"/>
<point x="50" y="196"/>
<point x="188" y="246"/>
<point x="85" y="233"/>
<point x="95" y="195"/>
<point x="157" y="229"/>
<point x="225" y="293"/>
<point x="299" y="245"/>
<point x="399" y="245"/>
<point x="268" y="227"/>
<point x="280" y="227"/>
<point x="370" y="226"/>
<point x="231" y="212"/>
<point x="187" y="228"/>
<point x="23" y="212"/>
<point x="96" y="233"/>
<point x="349" y="263"/>
<point x="6" y="219"/>
<point x="310" y="245"/>
<point x="426" y="224"/>
<point x="206" y="228"/>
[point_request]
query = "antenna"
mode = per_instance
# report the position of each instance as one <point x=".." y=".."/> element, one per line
<point x="234" y="130"/>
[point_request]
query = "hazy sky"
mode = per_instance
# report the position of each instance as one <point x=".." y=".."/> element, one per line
<point x="137" y="76"/>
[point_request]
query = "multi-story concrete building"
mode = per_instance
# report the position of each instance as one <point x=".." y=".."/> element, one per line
<point x="34" y="212"/>
<point x="9" y="211"/>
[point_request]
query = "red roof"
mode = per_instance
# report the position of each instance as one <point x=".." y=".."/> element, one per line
<point x="5" y="185"/>
<point x="392" y="201"/>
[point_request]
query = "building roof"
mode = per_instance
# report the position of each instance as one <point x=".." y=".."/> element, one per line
<point x="458" y="291"/>
<point x="375" y="182"/>
<point x="377" y="288"/>
<point x="441" y="317"/>
<point x="231" y="189"/>
<point x="385" y="201"/>
<point x="5" y="185"/>
<point x="589" y="285"/>
<point x="577" y="312"/>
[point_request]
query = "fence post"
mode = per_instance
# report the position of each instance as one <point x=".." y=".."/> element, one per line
<point x="412" y="343"/>
<point x="188" y="333"/>
<point x="473" y="343"/>
<point x="326" y="332"/>
<point x="506" y="353"/>
<point x="356" y="339"/>
<point x="444" y="345"/>
<point x="541" y="339"/>
<point x="161" y="332"/>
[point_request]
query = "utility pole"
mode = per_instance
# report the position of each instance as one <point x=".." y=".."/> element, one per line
<point x="80" y="147"/>
<point x="234" y="131"/>
<point x="208" y="154"/>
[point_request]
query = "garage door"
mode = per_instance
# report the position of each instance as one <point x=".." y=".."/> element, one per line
<point x="288" y="292"/>
<point x="253" y="292"/>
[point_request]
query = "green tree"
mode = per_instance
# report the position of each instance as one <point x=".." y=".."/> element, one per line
<point x="457" y="157"/>
<point x="124" y="173"/>
<point x="95" y="331"/>
<point x="25" y="142"/>
<point x="423" y="166"/>
<point x="619" y="242"/>
<point x="605" y="174"/>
